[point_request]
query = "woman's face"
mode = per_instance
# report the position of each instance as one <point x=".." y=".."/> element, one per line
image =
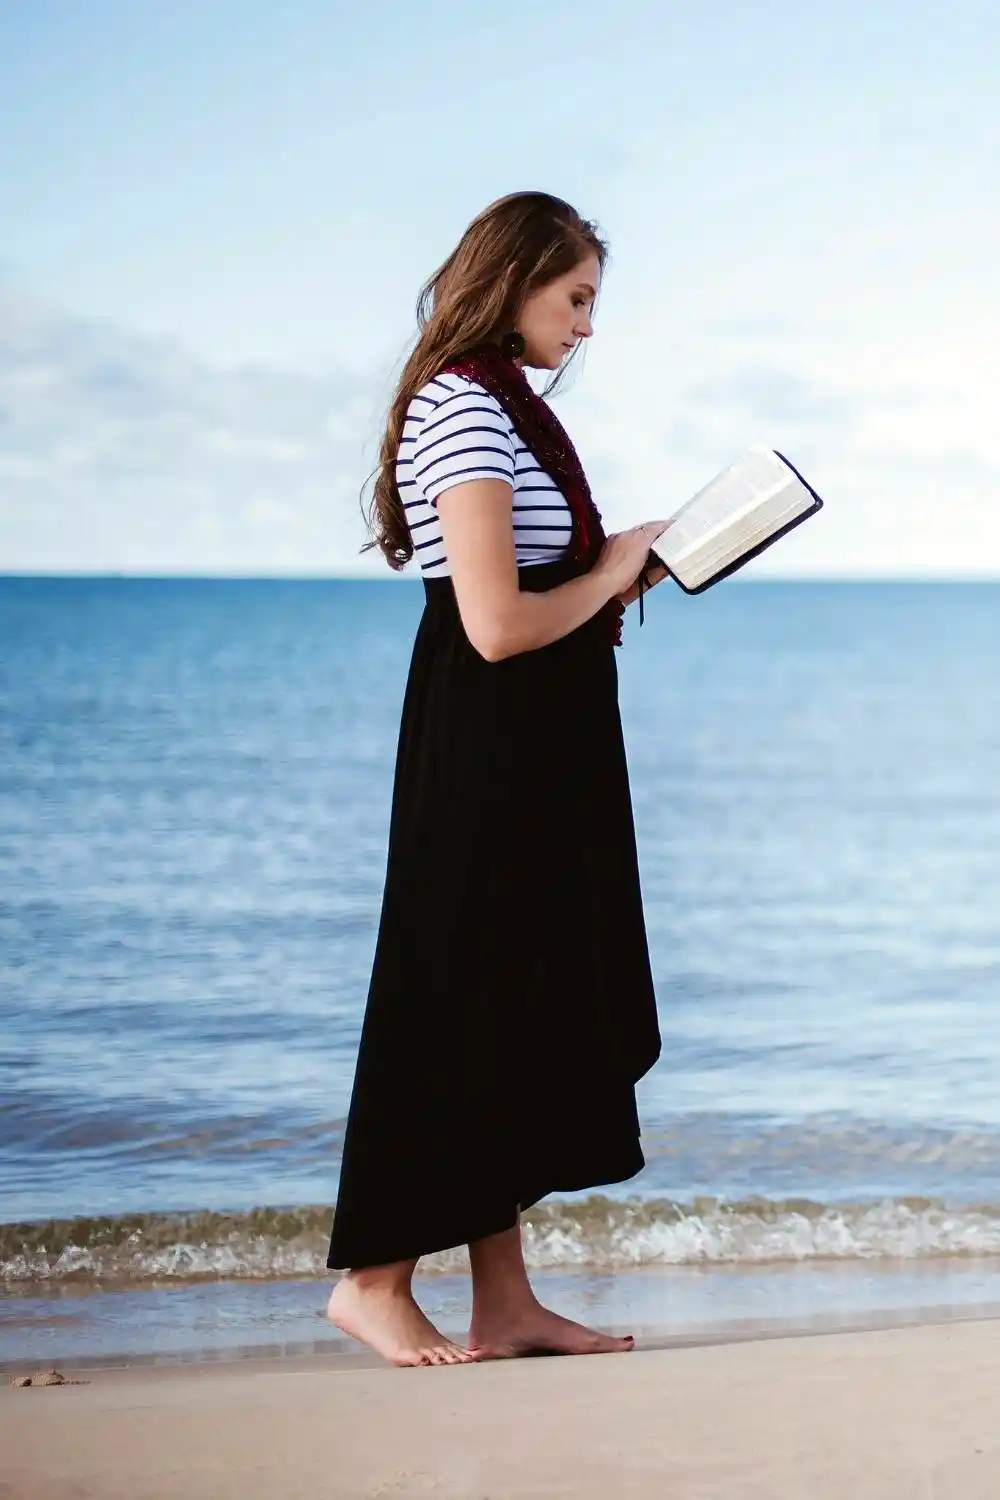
<point x="555" y="318"/>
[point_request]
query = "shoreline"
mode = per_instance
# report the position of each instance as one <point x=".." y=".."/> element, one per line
<point x="889" y="1413"/>
<point x="217" y="1320"/>
<point x="336" y="1352"/>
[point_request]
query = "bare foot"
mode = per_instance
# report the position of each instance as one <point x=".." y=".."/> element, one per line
<point x="390" y="1321"/>
<point x="536" y="1330"/>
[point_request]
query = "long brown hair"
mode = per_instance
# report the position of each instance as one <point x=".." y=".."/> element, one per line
<point x="518" y="244"/>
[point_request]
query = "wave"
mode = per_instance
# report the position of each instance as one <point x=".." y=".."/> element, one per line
<point x="597" y="1233"/>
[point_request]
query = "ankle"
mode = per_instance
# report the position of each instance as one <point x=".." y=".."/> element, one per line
<point x="502" y="1301"/>
<point x="388" y="1281"/>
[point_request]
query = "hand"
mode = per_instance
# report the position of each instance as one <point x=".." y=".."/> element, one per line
<point x="624" y="554"/>
<point x="654" y="574"/>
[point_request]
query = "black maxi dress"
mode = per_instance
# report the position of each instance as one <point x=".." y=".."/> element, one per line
<point x="511" y="1007"/>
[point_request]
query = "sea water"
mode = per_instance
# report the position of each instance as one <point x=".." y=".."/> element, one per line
<point x="195" y="779"/>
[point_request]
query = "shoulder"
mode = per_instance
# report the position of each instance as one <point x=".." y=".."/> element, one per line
<point x="453" y="396"/>
<point x="456" y="431"/>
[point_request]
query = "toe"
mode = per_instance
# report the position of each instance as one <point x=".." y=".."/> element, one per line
<point x="410" y="1359"/>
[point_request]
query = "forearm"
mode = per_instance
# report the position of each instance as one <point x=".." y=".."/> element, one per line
<point x="532" y="620"/>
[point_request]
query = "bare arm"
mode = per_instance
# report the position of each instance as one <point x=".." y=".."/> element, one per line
<point x="500" y="620"/>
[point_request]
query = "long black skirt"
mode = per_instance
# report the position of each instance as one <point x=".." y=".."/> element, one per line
<point x="511" y="1006"/>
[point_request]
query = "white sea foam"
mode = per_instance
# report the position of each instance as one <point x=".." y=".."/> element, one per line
<point x="596" y="1233"/>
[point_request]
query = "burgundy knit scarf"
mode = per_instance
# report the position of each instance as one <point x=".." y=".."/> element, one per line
<point x="541" y="430"/>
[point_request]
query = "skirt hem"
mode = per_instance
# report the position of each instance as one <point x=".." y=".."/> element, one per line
<point x="492" y="1224"/>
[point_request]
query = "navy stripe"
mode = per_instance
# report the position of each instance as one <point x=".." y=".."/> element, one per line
<point x="435" y="541"/>
<point x="461" y="432"/>
<point x="416" y="525"/>
<point x="475" y="469"/>
<point x="536" y="489"/>
<point x="451" y="396"/>
<point x="445" y="458"/>
<point x="489" y="411"/>
<point x="527" y="527"/>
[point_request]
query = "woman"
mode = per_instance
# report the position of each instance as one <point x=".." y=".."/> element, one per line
<point x="511" y="1006"/>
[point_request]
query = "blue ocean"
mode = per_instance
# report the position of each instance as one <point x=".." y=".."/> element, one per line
<point x="195" y="779"/>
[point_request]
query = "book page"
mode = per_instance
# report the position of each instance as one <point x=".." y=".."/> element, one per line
<point x="787" y="499"/>
<point x="742" y="507"/>
<point x="729" y="542"/>
<point x="733" y="542"/>
<point x="754" y="478"/>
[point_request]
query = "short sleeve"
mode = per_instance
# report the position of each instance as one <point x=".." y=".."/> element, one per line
<point x="466" y="436"/>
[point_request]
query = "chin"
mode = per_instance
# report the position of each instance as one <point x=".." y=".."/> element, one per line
<point x="536" y="361"/>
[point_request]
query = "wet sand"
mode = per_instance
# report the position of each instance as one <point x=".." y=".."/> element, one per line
<point x="887" y="1414"/>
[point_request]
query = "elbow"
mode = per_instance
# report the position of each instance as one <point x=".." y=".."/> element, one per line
<point x="493" y="639"/>
<point x="491" y="647"/>
<point x="494" y="633"/>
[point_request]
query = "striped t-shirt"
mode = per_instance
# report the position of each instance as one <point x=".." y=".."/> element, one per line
<point x="456" y="431"/>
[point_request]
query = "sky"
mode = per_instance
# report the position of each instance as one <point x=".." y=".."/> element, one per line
<point x="215" y="219"/>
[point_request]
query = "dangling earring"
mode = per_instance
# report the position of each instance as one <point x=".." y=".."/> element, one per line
<point x="512" y="345"/>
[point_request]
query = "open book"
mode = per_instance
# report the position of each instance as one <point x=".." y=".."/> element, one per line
<point x="752" y="503"/>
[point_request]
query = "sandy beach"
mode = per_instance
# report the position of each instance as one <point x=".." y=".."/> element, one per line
<point x="891" y="1414"/>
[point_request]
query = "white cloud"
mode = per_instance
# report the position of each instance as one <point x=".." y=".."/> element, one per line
<point x="125" y="452"/>
<point x="121" y="451"/>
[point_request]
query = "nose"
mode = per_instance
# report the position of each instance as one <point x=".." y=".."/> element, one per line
<point x="583" y="328"/>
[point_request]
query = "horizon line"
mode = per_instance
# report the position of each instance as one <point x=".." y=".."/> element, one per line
<point x="388" y="576"/>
